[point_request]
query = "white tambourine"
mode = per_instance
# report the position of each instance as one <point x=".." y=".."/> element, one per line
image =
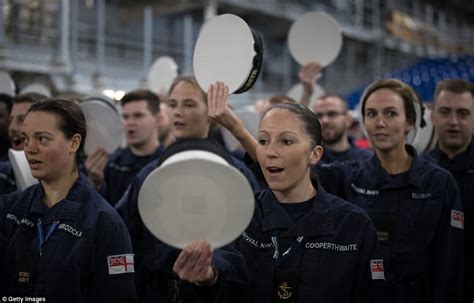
<point x="7" y="86"/>
<point x="162" y="74"/>
<point x="21" y="169"/>
<point x="227" y="50"/>
<point x="315" y="37"/>
<point x="104" y="126"/>
<point x="196" y="195"/>
<point x="425" y="134"/>
<point x="37" y="88"/>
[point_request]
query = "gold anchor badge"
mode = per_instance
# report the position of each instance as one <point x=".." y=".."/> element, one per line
<point x="285" y="294"/>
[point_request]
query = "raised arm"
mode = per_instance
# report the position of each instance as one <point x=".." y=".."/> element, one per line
<point x="308" y="75"/>
<point x="220" y="112"/>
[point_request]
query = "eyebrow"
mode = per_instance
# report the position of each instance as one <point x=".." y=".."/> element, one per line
<point x="39" y="133"/>
<point x="282" y="133"/>
<point x="385" y="108"/>
<point x="187" y="99"/>
<point x="289" y="132"/>
<point x="140" y="111"/>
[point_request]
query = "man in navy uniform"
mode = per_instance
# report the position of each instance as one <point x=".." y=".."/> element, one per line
<point x="452" y="118"/>
<point x="332" y="112"/>
<point x="112" y="175"/>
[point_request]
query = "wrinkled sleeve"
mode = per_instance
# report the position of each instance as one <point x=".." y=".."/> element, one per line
<point x="447" y="283"/>
<point x="114" y="278"/>
<point x="232" y="285"/>
<point x="127" y="206"/>
<point x="362" y="279"/>
<point x="3" y="240"/>
<point x="249" y="175"/>
<point x="333" y="177"/>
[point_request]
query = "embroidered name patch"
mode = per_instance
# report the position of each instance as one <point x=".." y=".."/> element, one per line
<point x="331" y="246"/>
<point x="70" y="229"/>
<point x="254" y="242"/>
<point x="22" y="221"/>
<point x="364" y="191"/>
<point x="120" y="264"/>
<point x="420" y="196"/>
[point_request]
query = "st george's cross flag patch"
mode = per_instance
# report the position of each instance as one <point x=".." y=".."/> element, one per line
<point x="457" y="219"/>
<point x="120" y="264"/>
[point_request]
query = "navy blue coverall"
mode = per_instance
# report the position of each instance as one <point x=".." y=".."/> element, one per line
<point x="87" y="258"/>
<point x="7" y="178"/>
<point x="419" y="221"/>
<point x="332" y="259"/>
<point x="121" y="167"/>
<point x="352" y="154"/>
<point x="462" y="168"/>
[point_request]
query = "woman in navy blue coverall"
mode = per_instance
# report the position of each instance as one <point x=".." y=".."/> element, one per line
<point x="414" y="204"/>
<point x="303" y="244"/>
<point x="162" y="272"/>
<point x="59" y="239"/>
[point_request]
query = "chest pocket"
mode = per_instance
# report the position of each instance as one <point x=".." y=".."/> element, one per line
<point x="20" y="252"/>
<point x="419" y="216"/>
<point x="324" y="264"/>
<point x="72" y="256"/>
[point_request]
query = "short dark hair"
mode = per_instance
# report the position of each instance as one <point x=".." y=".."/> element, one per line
<point x="28" y="97"/>
<point x="408" y="95"/>
<point x="152" y="100"/>
<point x="7" y="100"/>
<point x="457" y="86"/>
<point x="311" y="125"/>
<point x="70" y="116"/>
<point x="334" y="95"/>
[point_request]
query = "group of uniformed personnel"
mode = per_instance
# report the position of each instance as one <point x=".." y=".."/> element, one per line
<point x="332" y="222"/>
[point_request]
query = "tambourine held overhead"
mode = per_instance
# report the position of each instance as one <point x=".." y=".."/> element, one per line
<point x="315" y="37"/>
<point x="162" y="74"/>
<point x="228" y="50"/>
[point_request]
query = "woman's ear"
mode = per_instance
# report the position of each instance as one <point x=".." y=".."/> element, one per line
<point x="316" y="155"/>
<point x="409" y="128"/>
<point x="75" y="142"/>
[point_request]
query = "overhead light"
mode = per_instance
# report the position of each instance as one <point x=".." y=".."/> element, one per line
<point x="109" y="93"/>
<point x="119" y="94"/>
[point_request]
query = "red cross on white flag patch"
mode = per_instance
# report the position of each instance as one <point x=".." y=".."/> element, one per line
<point x="120" y="264"/>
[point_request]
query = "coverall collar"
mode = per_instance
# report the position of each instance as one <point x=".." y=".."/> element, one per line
<point x="382" y="179"/>
<point x="318" y="221"/>
<point x="459" y="163"/>
<point x="65" y="210"/>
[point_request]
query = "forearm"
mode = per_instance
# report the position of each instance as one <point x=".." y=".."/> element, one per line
<point x="306" y="96"/>
<point x="245" y="138"/>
